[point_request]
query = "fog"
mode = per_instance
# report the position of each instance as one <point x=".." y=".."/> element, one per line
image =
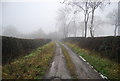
<point x="38" y="19"/>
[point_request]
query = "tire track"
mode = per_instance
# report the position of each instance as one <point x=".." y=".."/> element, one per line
<point x="83" y="69"/>
<point x="58" y="67"/>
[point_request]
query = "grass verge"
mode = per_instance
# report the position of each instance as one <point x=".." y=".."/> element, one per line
<point x="32" y="66"/>
<point x="70" y="64"/>
<point x="102" y="65"/>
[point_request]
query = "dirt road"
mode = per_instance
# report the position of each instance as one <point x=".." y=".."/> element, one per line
<point x="83" y="70"/>
<point x="58" y="67"/>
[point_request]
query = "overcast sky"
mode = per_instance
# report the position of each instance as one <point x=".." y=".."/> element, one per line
<point x="30" y="15"/>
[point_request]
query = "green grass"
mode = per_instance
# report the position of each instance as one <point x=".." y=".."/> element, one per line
<point x="103" y="65"/>
<point x="32" y="66"/>
<point x="70" y="64"/>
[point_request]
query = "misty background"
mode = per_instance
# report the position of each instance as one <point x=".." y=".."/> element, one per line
<point x="39" y="19"/>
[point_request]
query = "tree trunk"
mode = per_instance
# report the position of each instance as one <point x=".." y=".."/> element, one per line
<point x="115" y="30"/>
<point x="75" y="30"/>
<point x="67" y="31"/>
<point x="92" y="22"/>
<point x="86" y="18"/>
<point x="64" y="31"/>
<point x="85" y="29"/>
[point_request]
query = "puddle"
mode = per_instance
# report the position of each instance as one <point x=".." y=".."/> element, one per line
<point x="53" y="66"/>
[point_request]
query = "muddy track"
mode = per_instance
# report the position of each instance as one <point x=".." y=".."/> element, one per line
<point x="83" y="70"/>
<point x="58" y="67"/>
<point x="59" y="70"/>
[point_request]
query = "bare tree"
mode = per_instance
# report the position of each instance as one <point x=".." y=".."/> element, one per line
<point x="62" y="20"/>
<point x="75" y="27"/>
<point x="113" y="19"/>
<point x="95" y="5"/>
<point x="88" y="7"/>
<point x="63" y="17"/>
<point x="84" y="6"/>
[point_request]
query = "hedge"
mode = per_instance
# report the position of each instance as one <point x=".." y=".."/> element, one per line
<point x="108" y="47"/>
<point x="12" y="48"/>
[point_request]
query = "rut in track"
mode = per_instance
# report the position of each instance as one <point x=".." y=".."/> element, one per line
<point x="58" y="68"/>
